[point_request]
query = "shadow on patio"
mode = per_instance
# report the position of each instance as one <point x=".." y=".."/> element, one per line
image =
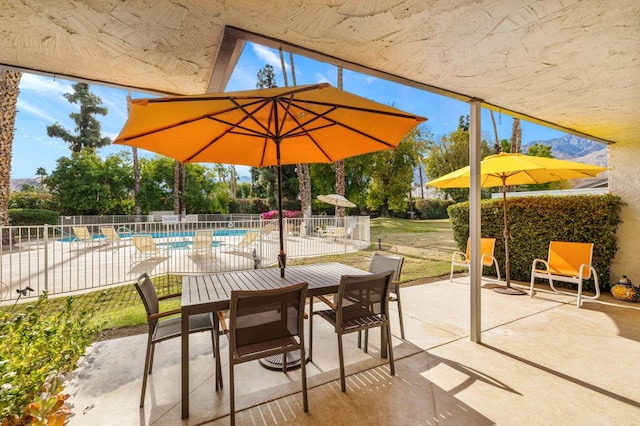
<point x="542" y="361"/>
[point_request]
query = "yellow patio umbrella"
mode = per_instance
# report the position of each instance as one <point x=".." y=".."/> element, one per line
<point x="266" y="127"/>
<point x="506" y="169"/>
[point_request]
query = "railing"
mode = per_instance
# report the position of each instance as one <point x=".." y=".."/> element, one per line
<point x="62" y="259"/>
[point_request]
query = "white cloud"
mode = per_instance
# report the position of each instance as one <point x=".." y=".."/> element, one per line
<point x="24" y="106"/>
<point x="44" y="85"/>
<point x="320" y="78"/>
<point x="269" y="56"/>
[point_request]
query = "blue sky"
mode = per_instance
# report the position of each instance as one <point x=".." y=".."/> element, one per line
<point x="41" y="103"/>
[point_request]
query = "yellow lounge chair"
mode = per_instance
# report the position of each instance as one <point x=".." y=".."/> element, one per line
<point x="145" y="248"/>
<point x="567" y="262"/>
<point x="83" y="236"/>
<point x="247" y="241"/>
<point x="110" y="235"/>
<point x="202" y="244"/>
<point x="487" y="247"/>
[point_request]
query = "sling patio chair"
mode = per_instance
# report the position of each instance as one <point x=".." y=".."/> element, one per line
<point x="567" y="262"/>
<point x="162" y="328"/>
<point x="264" y="323"/>
<point x="487" y="248"/>
<point x="145" y="249"/>
<point x="202" y="247"/>
<point x="82" y="236"/>
<point x="247" y="242"/>
<point x="362" y="303"/>
<point x="111" y="236"/>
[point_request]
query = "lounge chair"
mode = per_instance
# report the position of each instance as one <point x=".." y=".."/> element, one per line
<point x="202" y="244"/>
<point x="111" y="236"/>
<point x="247" y="241"/>
<point x="84" y="237"/>
<point x="267" y="230"/>
<point x="145" y="249"/>
<point x="567" y="262"/>
<point x="487" y="248"/>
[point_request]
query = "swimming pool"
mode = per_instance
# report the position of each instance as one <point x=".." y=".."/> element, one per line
<point x="168" y="234"/>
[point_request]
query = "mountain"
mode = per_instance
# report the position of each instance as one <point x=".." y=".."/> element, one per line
<point x="573" y="148"/>
<point x="17" y="184"/>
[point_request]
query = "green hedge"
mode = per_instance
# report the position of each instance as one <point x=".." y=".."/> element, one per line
<point x="433" y="208"/>
<point x="535" y="221"/>
<point x="29" y="217"/>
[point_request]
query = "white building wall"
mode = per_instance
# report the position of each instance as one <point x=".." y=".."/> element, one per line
<point x="624" y="181"/>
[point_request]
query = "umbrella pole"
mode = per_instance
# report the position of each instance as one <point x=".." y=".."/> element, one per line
<point x="282" y="256"/>
<point x="507" y="264"/>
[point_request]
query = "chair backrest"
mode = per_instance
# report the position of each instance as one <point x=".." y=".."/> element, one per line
<point x="360" y="296"/>
<point x="144" y="243"/>
<point x="202" y="239"/>
<point x="82" y="233"/>
<point x="565" y="258"/>
<point x="380" y="263"/>
<point x="260" y="318"/>
<point x="268" y="228"/>
<point x="248" y="239"/>
<point x="110" y="233"/>
<point x="149" y="297"/>
<point x="487" y="246"/>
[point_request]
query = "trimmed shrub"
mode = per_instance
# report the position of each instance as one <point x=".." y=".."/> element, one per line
<point x="433" y="208"/>
<point x="535" y="221"/>
<point x="28" y="217"/>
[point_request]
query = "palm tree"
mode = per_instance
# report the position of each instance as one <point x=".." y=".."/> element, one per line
<point x="339" y="165"/>
<point x="9" y="90"/>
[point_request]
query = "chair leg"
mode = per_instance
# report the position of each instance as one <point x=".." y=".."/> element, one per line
<point x="390" y="343"/>
<point x="366" y="341"/>
<point x="153" y="348"/>
<point x="232" y="400"/>
<point x="311" y="329"/>
<point x="400" y="312"/>
<point x="305" y="401"/>
<point x="147" y="369"/>
<point x="343" y="384"/>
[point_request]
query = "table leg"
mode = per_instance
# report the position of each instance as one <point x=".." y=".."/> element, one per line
<point x="185" y="364"/>
<point x="383" y="342"/>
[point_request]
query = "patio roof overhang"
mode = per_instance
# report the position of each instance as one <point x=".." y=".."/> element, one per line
<point x="570" y="64"/>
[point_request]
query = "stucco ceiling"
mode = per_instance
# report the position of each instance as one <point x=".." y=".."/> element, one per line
<point x="572" y="63"/>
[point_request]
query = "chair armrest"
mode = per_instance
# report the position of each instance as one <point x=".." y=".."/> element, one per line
<point x="169" y="296"/>
<point x="163" y="314"/>
<point x="461" y="257"/>
<point x="223" y="323"/>
<point x="328" y="302"/>
<point x="542" y="261"/>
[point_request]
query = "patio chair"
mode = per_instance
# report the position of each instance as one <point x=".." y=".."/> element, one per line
<point x="362" y="303"/>
<point x="83" y="236"/>
<point x="202" y="244"/>
<point x="487" y="248"/>
<point x="267" y="230"/>
<point x="145" y="248"/>
<point x="111" y="235"/>
<point x="567" y="262"/>
<point x="380" y="263"/>
<point x="247" y="241"/>
<point x="161" y="329"/>
<point x="263" y="323"/>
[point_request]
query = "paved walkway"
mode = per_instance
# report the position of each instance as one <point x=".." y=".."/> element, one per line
<point x="541" y="361"/>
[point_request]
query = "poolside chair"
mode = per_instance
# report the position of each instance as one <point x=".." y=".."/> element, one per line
<point x="567" y="262"/>
<point x="145" y="248"/>
<point x="264" y="323"/>
<point x="362" y="303"/>
<point x="202" y="244"/>
<point x="161" y="329"/>
<point x="487" y="248"/>
<point x="267" y="230"/>
<point x="111" y="236"/>
<point x="380" y="263"/>
<point x="82" y="236"/>
<point x="247" y="241"/>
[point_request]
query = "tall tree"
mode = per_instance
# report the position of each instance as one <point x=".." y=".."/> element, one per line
<point x="393" y="174"/>
<point x="41" y="173"/>
<point x="88" y="133"/>
<point x="496" y="146"/>
<point x="9" y="90"/>
<point x="176" y="187"/>
<point x="136" y="172"/>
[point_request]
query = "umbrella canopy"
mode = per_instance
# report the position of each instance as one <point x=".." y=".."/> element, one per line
<point x="265" y="127"/>
<point x="516" y="169"/>
<point x="336" y="200"/>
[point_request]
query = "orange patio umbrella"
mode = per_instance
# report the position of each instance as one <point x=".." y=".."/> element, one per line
<point x="266" y="127"/>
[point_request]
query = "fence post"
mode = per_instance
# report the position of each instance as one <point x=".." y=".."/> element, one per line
<point x="46" y="258"/>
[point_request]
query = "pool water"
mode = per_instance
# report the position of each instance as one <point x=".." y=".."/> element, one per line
<point x="171" y="234"/>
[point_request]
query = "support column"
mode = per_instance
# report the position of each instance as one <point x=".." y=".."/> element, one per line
<point x="474" y="219"/>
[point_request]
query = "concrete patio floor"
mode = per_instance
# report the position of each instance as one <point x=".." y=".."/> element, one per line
<point x="541" y="361"/>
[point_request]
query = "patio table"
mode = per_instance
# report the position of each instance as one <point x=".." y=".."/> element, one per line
<point x="211" y="293"/>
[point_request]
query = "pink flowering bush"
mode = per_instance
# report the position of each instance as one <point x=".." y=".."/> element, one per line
<point x="273" y="214"/>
